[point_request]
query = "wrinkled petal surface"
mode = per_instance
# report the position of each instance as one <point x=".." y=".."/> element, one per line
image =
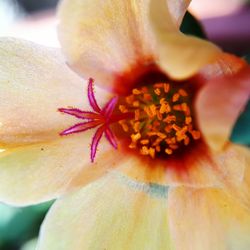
<point x="207" y="219"/>
<point x="108" y="214"/>
<point x="180" y="56"/>
<point x="110" y="38"/>
<point x="219" y="104"/>
<point x="34" y="83"/>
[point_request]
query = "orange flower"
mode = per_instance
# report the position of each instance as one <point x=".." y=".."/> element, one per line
<point x="175" y="181"/>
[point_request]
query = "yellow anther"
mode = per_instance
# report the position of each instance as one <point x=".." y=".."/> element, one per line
<point x="170" y="118"/>
<point x="166" y="87"/>
<point x="176" y="127"/>
<point x="151" y="133"/>
<point x="157" y="142"/>
<point x="124" y="125"/>
<point x="161" y="135"/>
<point x="136" y="91"/>
<point x="185" y="109"/>
<point x="175" y="97"/>
<point x="159" y="115"/>
<point x="181" y="137"/>
<point x="144" y="142"/>
<point x="177" y="107"/>
<point x="151" y="152"/>
<point x="162" y="101"/>
<point x="153" y="109"/>
<point x="144" y="150"/>
<point x="168" y="151"/>
<point x="183" y="92"/>
<point x="165" y="108"/>
<point x="196" y="134"/>
<point x="123" y="108"/>
<point x="136" y="126"/>
<point x="135" y="137"/>
<point x="157" y="91"/>
<point x="136" y="104"/>
<point x="162" y="121"/>
<point x="182" y="131"/>
<point x="188" y="120"/>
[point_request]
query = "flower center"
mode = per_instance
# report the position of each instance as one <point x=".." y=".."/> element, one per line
<point x="162" y="120"/>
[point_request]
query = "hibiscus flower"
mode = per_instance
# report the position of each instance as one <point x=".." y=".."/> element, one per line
<point x="166" y="102"/>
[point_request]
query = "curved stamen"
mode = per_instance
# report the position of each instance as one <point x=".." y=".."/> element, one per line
<point x="81" y="127"/>
<point x="95" y="141"/>
<point x="91" y="97"/>
<point x="111" y="137"/>
<point x="79" y="113"/>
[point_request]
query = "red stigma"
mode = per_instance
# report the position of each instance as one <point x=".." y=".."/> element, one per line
<point x="99" y="117"/>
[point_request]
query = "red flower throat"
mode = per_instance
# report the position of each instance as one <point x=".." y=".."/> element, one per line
<point x="157" y="118"/>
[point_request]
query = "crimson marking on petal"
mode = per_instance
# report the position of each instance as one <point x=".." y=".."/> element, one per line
<point x="79" y="113"/>
<point x="95" y="141"/>
<point x="91" y="96"/>
<point x="80" y="127"/>
<point x="109" y="107"/>
<point x="111" y="137"/>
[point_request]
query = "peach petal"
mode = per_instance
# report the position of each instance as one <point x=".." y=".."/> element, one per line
<point x="207" y="219"/>
<point x="225" y="65"/>
<point x="44" y="171"/>
<point x="34" y="83"/>
<point x="180" y="56"/>
<point x="219" y="104"/>
<point x="103" y="39"/>
<point x="107" y="214"/>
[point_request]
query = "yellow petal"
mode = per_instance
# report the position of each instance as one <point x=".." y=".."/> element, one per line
<point x="180" y="56"/>
<point x="217" y="113"/>
<point x="207" y="219"/>
<point x="105" y="39"/>
<point x="107" y="214"/>
<point x="34" y="83"/>
<point x="44" y="171"/>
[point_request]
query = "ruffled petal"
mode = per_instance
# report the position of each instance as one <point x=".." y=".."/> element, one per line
<point x="180" y="56"/>
<point x="104" y="39"/>
<point x="108" y="214"/>
<point x="219" y="104"/>
<point x="207" y="219"/>
<point x="225" y="65"/>
<point x="34" y="83"/>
